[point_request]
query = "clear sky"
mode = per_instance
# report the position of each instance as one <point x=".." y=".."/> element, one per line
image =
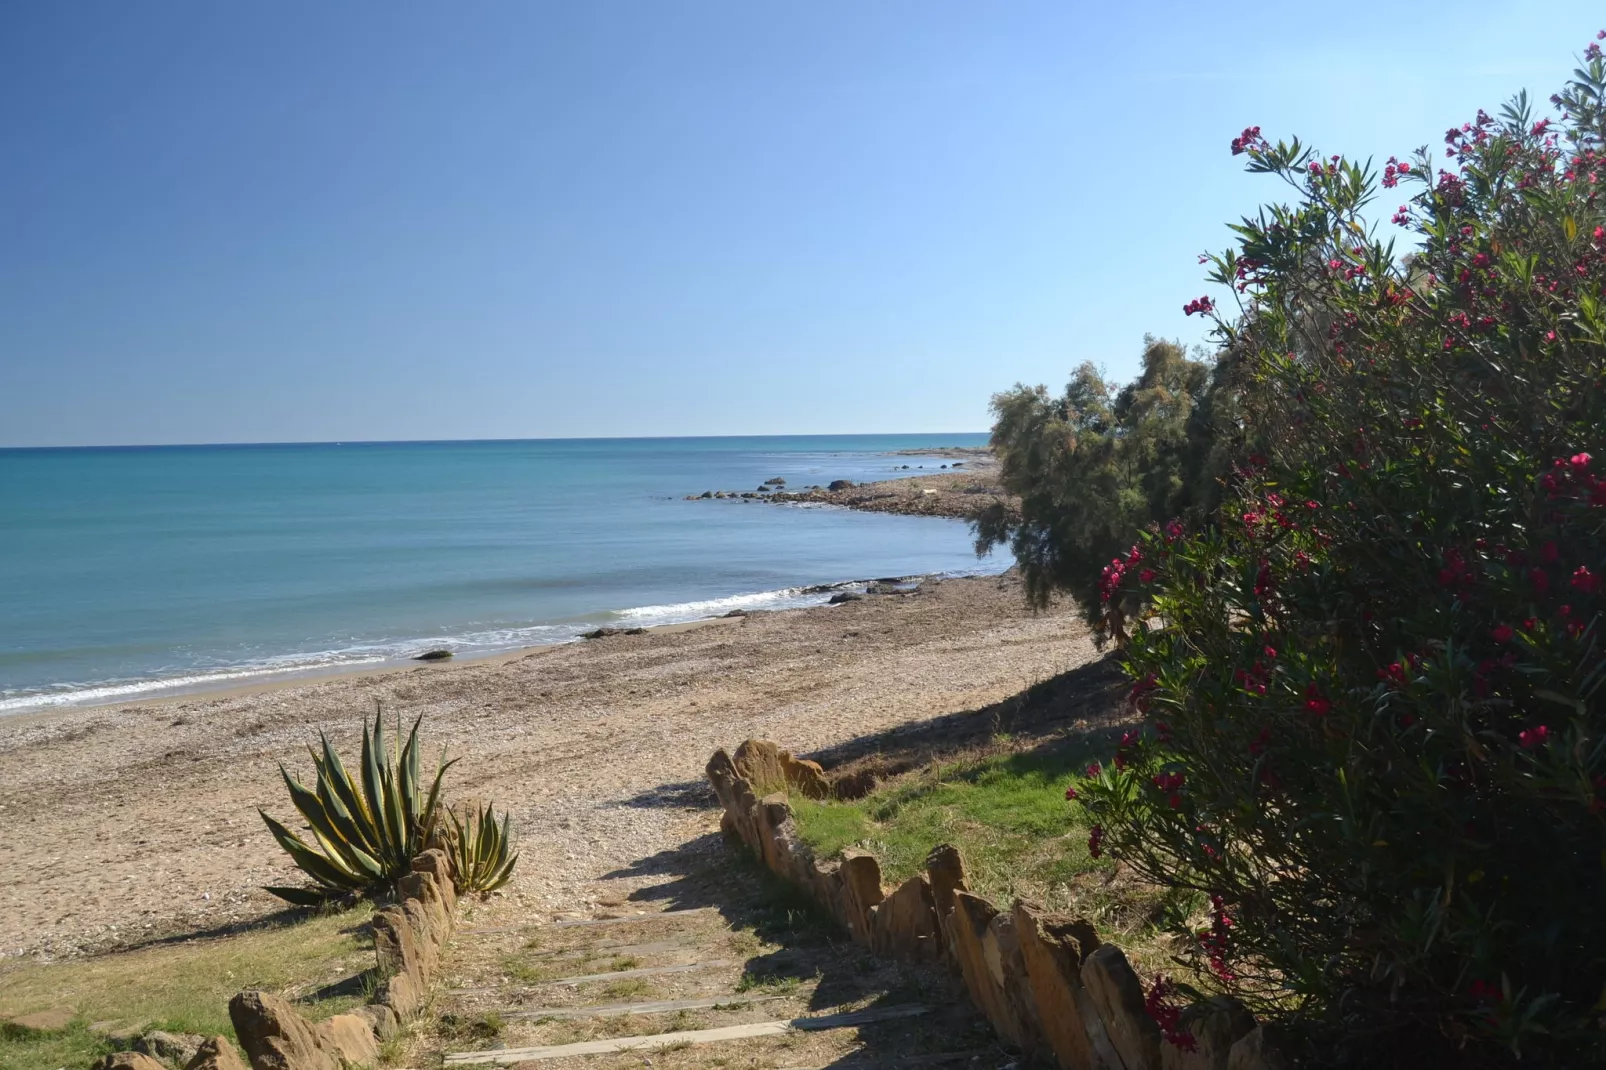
<point x="358" y="220"/>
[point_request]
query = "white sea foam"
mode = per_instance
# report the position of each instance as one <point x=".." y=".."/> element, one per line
<point x="471" y="644"/>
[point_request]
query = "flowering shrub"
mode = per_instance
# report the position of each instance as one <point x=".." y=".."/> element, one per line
<point x="1379" y="740"/>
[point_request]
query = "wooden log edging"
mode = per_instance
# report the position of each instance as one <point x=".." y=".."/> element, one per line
<point x="1045" y="981"/>
<point x="409" y="937"/>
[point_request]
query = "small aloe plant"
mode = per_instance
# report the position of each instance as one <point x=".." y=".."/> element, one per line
<point x="482" y="850"/>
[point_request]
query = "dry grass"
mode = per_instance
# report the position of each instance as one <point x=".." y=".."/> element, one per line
<point x="184" y="986"/>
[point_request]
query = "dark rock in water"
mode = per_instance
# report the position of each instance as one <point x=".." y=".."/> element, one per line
<point x="763" y="488"/>
<point x="434" y="655"/>
<point x="843" y="484"/>
<point x="945" y="466"/>
<point x="706" y="494"/>
<point x="603" y="633"/>
<point x="846" y="596"/>
<point x="777" y="481"/>
<point x="737" y="613"/>
<point x="958" y="464"/>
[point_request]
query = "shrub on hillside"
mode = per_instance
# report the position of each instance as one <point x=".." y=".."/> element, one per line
<point x="1096" y="465"/>
<point x="1379" y="741"/>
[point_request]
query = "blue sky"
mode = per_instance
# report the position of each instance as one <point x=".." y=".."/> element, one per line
<point x="312" y="221"/>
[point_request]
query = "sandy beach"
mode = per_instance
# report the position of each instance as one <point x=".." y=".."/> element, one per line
<point x="123" y="824"/>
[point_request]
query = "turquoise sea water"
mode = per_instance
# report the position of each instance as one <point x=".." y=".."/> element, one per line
<point x="139" y="571"/>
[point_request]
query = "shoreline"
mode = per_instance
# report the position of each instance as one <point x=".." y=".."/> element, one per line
<point x="269" y="681"/>
<point x="950" y="494"/>
<point x="140" y="817"/>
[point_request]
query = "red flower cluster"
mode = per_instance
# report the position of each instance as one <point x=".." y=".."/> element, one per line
<point x="1533" y="737"/>
<point x="1569" y="477"/>
<point x="1115" y="571"/>
<point x="1199" y="304"/>
<point x="1171" y="785"/>
<point x="1095" y="839"/>
<point x="1457" y="572"/>
<point x="1166" y="1016"/>
<point x="1392" y="172"/>
<point x="1316" y="702"/>
<point x="1249" y="139"/>
<point x="1264" y="582"/>
<point x="1215" y="940"/>
<point x="1253" y="680"/>
<point x="1138" y="694"/>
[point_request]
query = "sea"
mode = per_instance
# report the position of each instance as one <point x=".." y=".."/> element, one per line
<point x="137" y="572"/>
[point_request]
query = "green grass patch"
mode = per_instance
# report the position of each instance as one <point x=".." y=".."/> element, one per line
<point x="1017" y="834"/>
<point x="185" y="986"/>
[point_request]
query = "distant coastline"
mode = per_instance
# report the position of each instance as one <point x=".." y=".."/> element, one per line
<point x="961" y="490"/>
<point x="220" y="568"/>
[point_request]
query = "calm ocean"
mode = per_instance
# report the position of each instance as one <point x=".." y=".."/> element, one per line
<point x="132" y="572"/>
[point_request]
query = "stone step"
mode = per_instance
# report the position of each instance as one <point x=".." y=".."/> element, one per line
<point x="656" y="948"/>
<point x="615" y="975"/>
<point x="510" y="1056"/>
<point x="574" y="923"/>
<point x="619" y="1010"/>
<point x="644" y="971"/>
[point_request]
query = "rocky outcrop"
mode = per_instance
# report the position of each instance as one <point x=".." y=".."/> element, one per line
<point x="215" y="1053"/>
<point x="1217" y="1025"/>
<point x="177" y="1047"/>
<point x="128" y="1060"/>
<point x="1044" y="981"/>
<point x="1053" y="948"/>
<point x="769" y="768"/>
<point x="840" y="484"/>
<point x="276" y="1037"/>
<point x="409" y="937"/>
<point x="1117" y="995"/>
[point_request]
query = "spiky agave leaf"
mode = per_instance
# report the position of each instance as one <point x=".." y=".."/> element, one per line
<point x="302" y="897"/>
<point x="481" y="850"/>
<point x="364" y="833"/>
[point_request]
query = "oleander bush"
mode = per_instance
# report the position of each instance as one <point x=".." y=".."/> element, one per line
<point x="1378" y="742"/>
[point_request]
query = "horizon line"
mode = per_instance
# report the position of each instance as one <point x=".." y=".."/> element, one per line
<point x="465" y="441"/>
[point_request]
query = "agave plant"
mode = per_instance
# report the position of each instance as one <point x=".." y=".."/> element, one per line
<point x="366" y="830"/>
<point x="480" y="850"/>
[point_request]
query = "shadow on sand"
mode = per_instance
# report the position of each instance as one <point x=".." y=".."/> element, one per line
<point x="1047" y="723"/>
